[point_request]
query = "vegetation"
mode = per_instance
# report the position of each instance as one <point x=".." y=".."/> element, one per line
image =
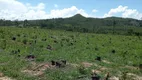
<point x="79" y="23"/>
<point x="26" y="53"/>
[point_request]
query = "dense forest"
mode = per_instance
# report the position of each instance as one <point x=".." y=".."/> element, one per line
<point x="79" y="23"/>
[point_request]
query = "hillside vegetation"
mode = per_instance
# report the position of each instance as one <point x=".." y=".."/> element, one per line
<point x="79" y="23"/>
<point x="28" y="53"/>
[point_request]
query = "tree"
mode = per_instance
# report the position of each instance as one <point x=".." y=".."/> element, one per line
<point x="25" y="23"/>
<point x="16" y="23"/>
<point x="114" y="23"/>
<point x="43" y="25"/>
<point x="130" y="31"/>
<point x="84" y="30"/>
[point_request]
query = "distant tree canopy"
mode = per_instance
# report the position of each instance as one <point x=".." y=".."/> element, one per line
<point x="80" y="23"/>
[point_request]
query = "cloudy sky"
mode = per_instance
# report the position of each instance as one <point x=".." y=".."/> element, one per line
<point x="45" y="9"/>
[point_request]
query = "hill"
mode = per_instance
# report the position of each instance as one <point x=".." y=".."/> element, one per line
<point x="79" y="23"/>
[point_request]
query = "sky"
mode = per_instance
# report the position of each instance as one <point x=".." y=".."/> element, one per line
<point x="46" y="9"/>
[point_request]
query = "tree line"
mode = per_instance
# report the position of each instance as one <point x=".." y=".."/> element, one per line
<point x="79" y="23"/>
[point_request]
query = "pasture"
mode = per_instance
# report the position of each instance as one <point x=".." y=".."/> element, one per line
<point x="26" y="54"/>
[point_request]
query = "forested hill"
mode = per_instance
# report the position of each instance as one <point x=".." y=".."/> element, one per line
<point x="82" y="24"/>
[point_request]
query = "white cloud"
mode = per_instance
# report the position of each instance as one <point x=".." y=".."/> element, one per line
<point x="13" y="9"/>
<point x="56" y="6"/>
<point x="132" y="13"/>
<point x="67" y="12"/>
<point x="10" y="8"/>
<point x="125" y="12"/>
<point x="94" y="10"/>
<point x="40" y="6"/>
<point x="116" y="10"/>
<point x="12" y="5"/>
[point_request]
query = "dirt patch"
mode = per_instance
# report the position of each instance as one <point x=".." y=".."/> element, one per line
<point x="73" y="64"/>
<point x="134" y="76"/>
<point x="86" y="64"/>
<point x="33" y="73"/>
<point x="2" y="77"/>
<point x="1" y="74"/>
<point x="105" y="61"/>
<point x="37" y="69"/>
<point x="104" y="69"/>
<point x="113" y="78"/>
<point x="100" y="70"/>
<point x="96" y="71"/>
<point x="140" y="78"/>
<point x="5" y="78"/>
<point x="131" y="67"/>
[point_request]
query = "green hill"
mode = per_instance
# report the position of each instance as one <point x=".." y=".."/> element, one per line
<point x="79" y="23"/>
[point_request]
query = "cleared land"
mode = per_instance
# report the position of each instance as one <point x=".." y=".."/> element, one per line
<point x="26" y="54"/>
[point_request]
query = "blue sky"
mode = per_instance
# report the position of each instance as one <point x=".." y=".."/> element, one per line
<point x="67" y="8"/>
<point x="88" y="5"/>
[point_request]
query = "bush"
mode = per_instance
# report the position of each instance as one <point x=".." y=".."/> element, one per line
<point x="82" y="70"/>
<point x="24" y="41"/>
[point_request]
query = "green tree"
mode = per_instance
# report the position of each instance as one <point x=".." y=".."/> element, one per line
<point x="16" y="23"/>
<point x="130" y="31"/>
<point x="114" y="24"/>
<point x="25" y="23"/>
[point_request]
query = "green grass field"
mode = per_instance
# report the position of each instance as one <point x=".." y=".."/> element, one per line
<point x="119" y="54"/>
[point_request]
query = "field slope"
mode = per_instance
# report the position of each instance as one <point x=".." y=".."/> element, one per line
<point x="26" y="54"/>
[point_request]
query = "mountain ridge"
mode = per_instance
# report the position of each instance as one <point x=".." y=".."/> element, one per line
<point x="80" y="23"/>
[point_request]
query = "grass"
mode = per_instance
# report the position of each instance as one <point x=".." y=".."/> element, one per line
<point x="74" y="47"/>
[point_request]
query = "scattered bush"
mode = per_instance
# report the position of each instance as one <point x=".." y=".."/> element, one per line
<point x="25" y="41"/>
<point x="113" y="51"/>
<point x="82" y="70"/>
<point x="96" y="49"/>
<point x="98" y="58"/>
<point x="13" y="38"/>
